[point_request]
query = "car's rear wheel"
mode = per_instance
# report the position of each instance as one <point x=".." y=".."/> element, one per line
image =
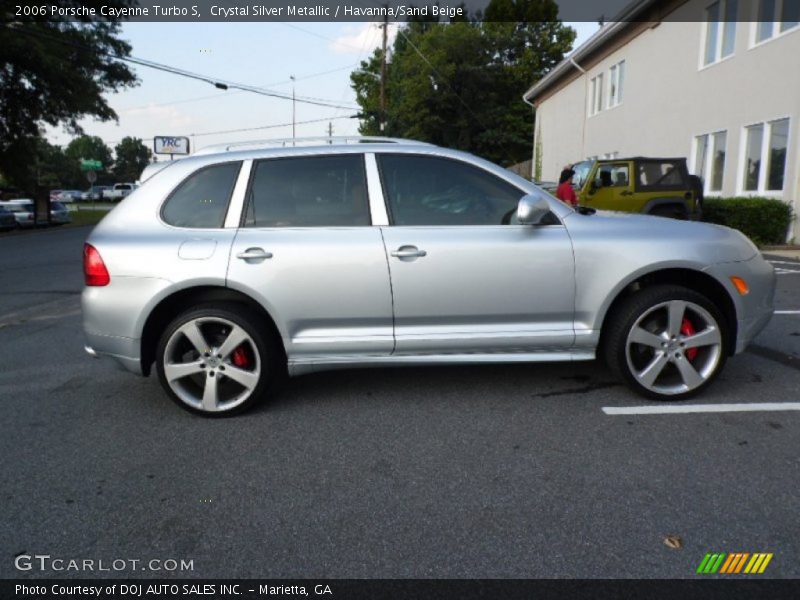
<point x="217" y="359"/>
<point x="667" y="342"/>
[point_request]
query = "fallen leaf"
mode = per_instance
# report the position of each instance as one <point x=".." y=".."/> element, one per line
<point x="673" y="541"/>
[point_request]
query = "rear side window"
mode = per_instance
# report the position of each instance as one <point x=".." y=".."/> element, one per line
<point x="201" y="201"/>
<point x="661" y="175"/>
<point x="311" y="191"/>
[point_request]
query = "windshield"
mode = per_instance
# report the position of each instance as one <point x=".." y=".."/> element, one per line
<point x="581" y="172"/>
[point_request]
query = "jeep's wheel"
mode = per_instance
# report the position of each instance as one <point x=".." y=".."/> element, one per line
<point x="215" y="360"/>
<point x="667" y="342"/>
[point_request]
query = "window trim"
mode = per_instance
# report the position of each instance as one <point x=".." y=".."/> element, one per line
<point x="718" y="57"/>
<point x="189" y="176"/>
<point x="620" y="64"/>
<point x="392" y="223"/>
<point x="776" y="29"/>
<point x="707" y="163"/>
<point x="248" y="192"/>
<point x="763" y="175"/>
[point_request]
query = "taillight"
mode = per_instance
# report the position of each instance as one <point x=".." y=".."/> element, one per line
<point x="94" y="269"/>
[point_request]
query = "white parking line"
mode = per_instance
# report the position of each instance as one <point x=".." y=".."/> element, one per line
<point x="785" y="262"/>
<point x="786" y="312"/>
<point x="786" y="272"/>
<point x="671" y="409"/>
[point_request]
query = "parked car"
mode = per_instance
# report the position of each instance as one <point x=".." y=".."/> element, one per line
<point x="22" y="209"/>
<point x="7" y="220"/>
<point x="70" y="196"/>
<point x="59" y="214"/>
<point x="653" y="186"/>
<point x="119" y="191"/>
<point x="95" y="193"/>
<point x="233" y="267"/>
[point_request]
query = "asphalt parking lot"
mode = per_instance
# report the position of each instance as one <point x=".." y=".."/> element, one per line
<point x="495" y="471"/>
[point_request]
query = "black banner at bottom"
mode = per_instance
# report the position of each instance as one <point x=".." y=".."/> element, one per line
<point x="399" y="589"/>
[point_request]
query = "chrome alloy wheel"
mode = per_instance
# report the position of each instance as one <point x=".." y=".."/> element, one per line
<point x="674" y="347"/>
<point x="212" y="364"/>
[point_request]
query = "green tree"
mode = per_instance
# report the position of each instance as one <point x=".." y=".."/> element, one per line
<point x="55" y="73"/>
<point x="88" y="147"/>
<point x="460" y="84"/>
<point x="132" y="156"/>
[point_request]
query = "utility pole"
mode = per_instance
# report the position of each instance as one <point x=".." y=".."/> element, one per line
<point x="385" y="27"/>
<point x="330" y="132"/>
<point x="293" y="110"/>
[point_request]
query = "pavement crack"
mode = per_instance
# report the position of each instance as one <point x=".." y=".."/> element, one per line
<point x="601" y="385"/>
<point x="787" y="360"/>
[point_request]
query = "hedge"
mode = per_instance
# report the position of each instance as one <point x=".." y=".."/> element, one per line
<point x="763" y="220"/>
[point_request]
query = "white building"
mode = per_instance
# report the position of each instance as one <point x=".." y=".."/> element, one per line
<point x="688" y="80"/>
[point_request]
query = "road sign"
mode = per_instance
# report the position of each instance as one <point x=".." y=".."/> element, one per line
<point x="90" y="165"/>
<point x="163" y="144"/>
<point x="91" y="176"/>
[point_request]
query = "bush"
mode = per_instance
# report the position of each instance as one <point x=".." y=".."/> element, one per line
<point x="763" y="220"/>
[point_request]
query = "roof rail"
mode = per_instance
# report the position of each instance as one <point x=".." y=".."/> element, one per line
<point x="303" y="141"/>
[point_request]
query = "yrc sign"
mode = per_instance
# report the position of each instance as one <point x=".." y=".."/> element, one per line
<point x="171" y="145"/>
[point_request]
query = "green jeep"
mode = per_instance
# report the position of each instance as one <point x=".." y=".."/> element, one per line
<point x="654" y="186"/>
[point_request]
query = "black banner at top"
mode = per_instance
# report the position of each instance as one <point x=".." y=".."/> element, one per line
<point x="398" y="10"/>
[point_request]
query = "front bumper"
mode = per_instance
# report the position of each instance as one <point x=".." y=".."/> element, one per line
<point x="754" y="309"/>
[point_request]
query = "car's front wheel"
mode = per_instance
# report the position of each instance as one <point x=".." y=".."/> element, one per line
<point x="667" y="342"/>
<point x="217" y="360"/>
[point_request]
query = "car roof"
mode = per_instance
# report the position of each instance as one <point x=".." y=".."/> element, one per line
<point x="638" y="158"/>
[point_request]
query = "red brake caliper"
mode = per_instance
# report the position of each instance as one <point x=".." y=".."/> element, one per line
<point x="239" y="357"/>
<point x="688" y="329"/>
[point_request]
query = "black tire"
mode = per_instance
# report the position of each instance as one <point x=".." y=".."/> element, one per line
<point x="708" y="361"/>
<point x="671" y="211"/>
<point x="263" y="347"/>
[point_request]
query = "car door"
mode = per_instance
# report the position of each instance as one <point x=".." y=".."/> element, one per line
<point x="308" y="251"/>
<point x="612" y="188"/>
<point x="465" y="278"/>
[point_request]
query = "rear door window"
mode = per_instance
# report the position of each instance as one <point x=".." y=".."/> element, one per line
<point x="661" y="175"/>
<point x="201" y="201"/>
<point x="309" y="191"/>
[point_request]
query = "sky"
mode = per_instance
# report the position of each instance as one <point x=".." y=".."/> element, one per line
<point x="320" y="56"/>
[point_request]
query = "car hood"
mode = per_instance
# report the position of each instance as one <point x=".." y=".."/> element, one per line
<point x="663" y="237"/>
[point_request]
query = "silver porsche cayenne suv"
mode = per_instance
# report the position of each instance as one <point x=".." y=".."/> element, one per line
<point x="241" y="264"/>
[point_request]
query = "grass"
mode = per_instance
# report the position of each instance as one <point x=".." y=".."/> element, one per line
<point x="85" y="217"/>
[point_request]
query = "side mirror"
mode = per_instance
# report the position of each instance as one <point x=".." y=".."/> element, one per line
<point x="532" y="209"/>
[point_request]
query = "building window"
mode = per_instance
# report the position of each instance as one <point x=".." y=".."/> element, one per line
<point x="720" y="30"/>
<point x="775" y="17"/>
<point x="597" y="95"/>
<point x="709" y="159"/>
<point x="616" y="82"/>
<point x="765" y="156"/>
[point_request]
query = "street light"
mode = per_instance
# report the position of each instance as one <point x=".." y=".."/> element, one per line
<point x="293" y="109"/>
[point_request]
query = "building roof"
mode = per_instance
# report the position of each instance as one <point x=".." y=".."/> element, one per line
<point x="626" y="16"/>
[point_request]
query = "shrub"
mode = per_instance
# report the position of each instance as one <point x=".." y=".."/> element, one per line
<point x="763" y="220"/>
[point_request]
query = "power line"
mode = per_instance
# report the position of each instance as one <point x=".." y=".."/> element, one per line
<point x="216" y="96"/>
<point x="221" y="84"/>
<point x="274" y="126"/>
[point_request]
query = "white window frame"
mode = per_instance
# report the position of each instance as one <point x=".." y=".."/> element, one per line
<point x="708" y="162"/>
<point x="721" y="25"/>
<point x="597" y="95"/>
<point x="614" y="72"/>
<point x="764" y="158"/>
<point x="776" y="25"/>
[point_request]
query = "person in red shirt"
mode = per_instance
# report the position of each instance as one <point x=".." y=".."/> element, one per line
<point x="565" y="192"/>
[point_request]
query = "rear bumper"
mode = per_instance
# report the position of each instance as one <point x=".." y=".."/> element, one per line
<point x="124" y="352"/>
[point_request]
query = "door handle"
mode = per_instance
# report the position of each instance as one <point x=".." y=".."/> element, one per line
<point x="254" y="254"/>
<point x="408" y="252"/>
<point x="626" y="193"/>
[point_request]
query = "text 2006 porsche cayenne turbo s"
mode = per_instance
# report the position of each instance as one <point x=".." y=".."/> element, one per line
<point x="237" y="265"/>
